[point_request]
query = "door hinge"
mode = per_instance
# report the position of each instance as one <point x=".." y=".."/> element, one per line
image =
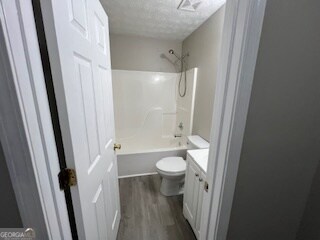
<point x="67" y="178"/>
<point x="206" y="186"/>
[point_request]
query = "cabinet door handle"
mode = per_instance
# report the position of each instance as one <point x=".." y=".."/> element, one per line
<point x="200" y="179"/>
<point x="197" y="175"/>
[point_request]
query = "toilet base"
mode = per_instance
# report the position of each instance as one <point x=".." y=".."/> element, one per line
<point x="172" y="187"/>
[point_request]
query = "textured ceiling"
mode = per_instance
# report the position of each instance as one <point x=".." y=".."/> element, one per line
<point x="157" y="18"/>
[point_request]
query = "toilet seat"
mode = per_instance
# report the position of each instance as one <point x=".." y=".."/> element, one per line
<point x="172" y="165"/>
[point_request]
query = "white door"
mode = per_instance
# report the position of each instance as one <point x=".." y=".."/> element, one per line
<point x="78" y="43"/>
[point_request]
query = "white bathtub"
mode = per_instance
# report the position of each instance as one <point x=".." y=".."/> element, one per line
<point x="138" y="160"/>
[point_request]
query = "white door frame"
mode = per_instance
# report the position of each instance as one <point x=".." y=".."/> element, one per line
<point x="26" y="106"/>
<point x="26" y="131"/>
<point x="240" y="43"/>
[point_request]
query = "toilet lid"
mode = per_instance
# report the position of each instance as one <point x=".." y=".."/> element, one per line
<point x="172" y="164"/>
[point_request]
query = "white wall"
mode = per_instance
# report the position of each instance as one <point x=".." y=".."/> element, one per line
<point x="142" y="53"/>
<point x="203" y="46"/>
<point x="280" y="150"/>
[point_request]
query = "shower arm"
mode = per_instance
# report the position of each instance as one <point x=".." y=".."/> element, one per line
<point x="178" y="58"/>
<point x="181" y="59"/>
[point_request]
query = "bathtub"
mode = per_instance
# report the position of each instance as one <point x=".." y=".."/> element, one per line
<point x="138" y="159"/>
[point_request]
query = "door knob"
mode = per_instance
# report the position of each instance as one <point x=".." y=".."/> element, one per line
<point x="116" y="146"/>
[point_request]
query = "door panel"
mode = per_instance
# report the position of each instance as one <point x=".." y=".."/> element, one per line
<point x="199" y="207"/>
<point x="100" y="210"/>
<point x="195" y="193"/>
<point x="191" y="183"/>
<point x="187" y="193"/>
<point x="113" y="200"/>
<point x="77" y="36"/>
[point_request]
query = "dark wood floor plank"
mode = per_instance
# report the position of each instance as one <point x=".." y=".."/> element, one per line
<point x="148" y="215"/>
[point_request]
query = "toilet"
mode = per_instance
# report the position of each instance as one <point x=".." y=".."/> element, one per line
<point x="172" y="169"/>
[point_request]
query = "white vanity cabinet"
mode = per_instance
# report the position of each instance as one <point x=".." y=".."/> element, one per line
<point x="194" y="188"/>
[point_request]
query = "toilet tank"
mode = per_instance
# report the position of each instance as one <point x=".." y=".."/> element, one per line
<point x="196" y="142"/>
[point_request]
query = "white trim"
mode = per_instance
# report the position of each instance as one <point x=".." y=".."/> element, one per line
<point x="240" y="43"/>
<point x="138" y="175"/>
<point x="26" y="128"/>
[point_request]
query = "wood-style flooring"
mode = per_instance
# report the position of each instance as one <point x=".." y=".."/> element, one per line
<point x="148" y="215"/>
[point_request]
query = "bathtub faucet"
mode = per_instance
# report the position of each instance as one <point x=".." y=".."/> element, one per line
<point x="178" y="135"/>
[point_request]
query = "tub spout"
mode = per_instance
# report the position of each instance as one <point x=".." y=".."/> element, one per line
<point x="178" y="135"/>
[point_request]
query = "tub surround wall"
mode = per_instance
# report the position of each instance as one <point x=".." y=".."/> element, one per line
<point x="145" y="109"/>
<point x="185" y="105"/>
<point x="148" y="111"/>
<point x="142" y="53"/>
<point x="203" y="46"/>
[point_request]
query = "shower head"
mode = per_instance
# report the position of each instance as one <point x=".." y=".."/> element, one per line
<point x="172" y="52"/>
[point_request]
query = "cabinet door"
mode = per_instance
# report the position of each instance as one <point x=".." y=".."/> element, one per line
<point x="191" y="192"/>
<point x="199" y="207"/>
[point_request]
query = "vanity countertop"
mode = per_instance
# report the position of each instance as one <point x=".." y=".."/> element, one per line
<point x="200" y="156"/>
